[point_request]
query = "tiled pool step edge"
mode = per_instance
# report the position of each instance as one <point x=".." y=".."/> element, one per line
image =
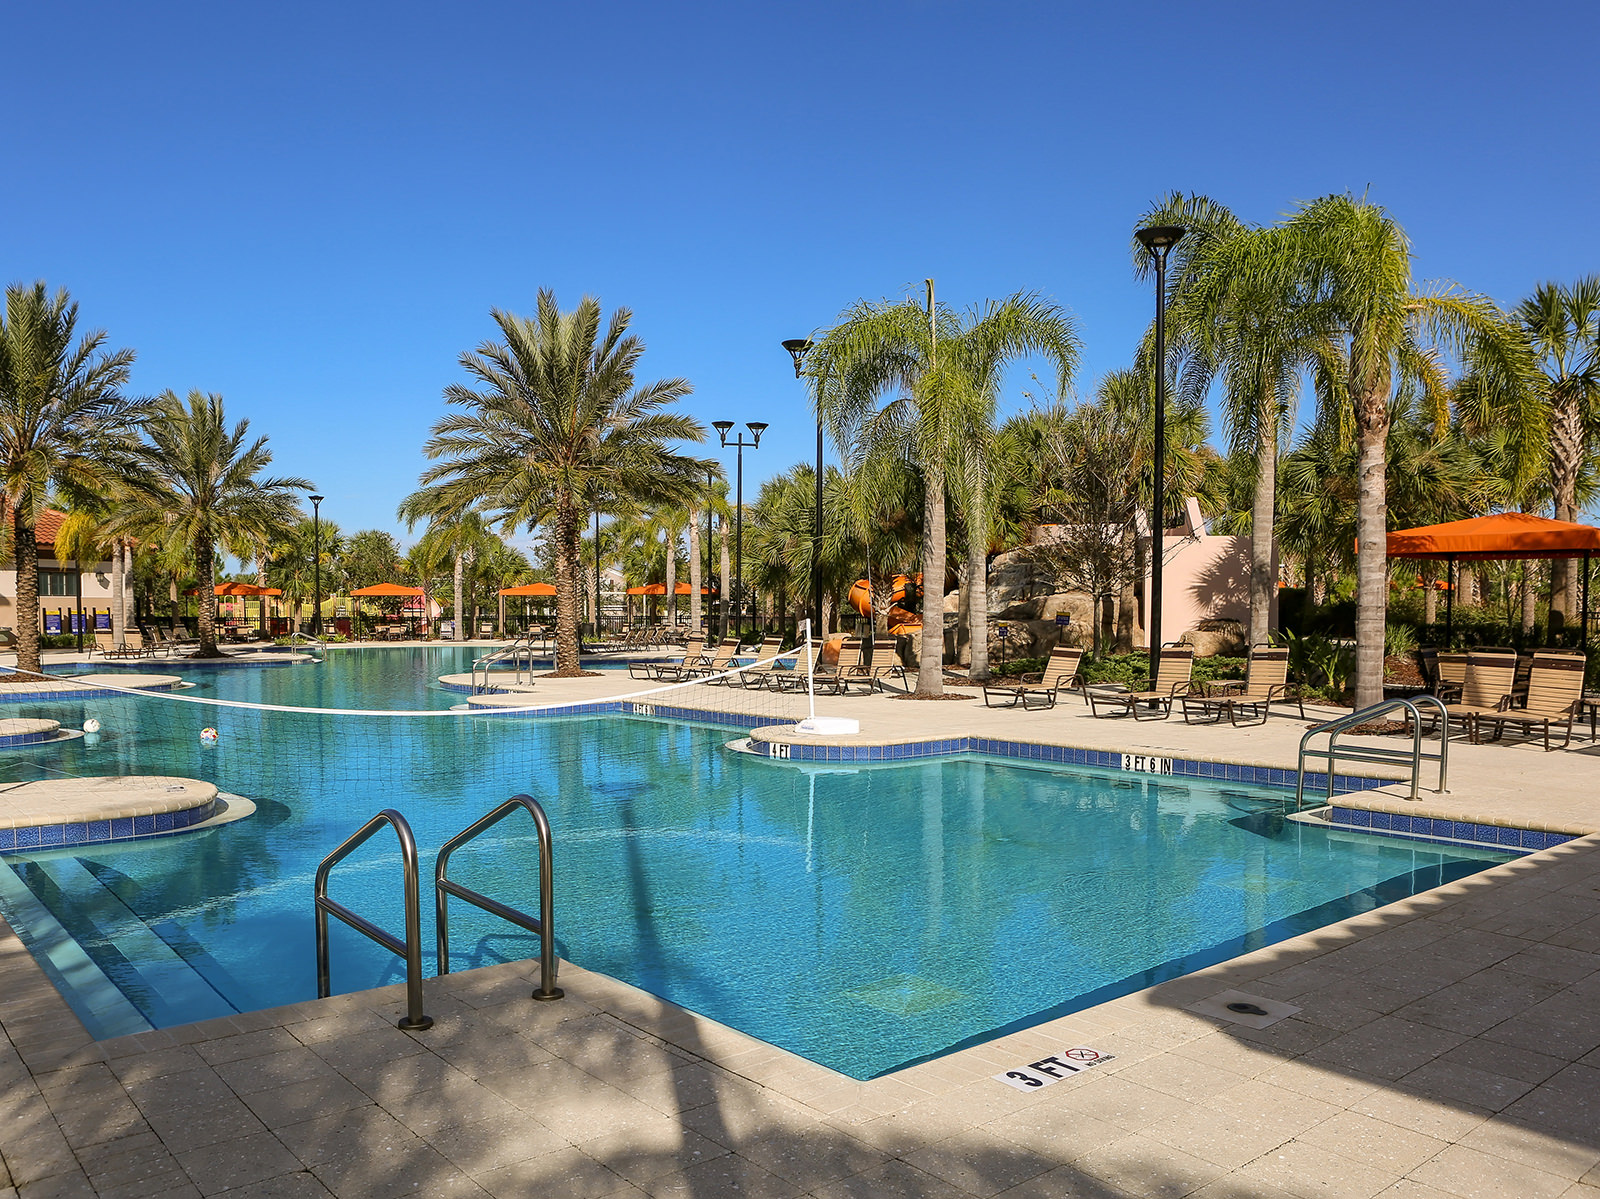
<point x="1415" y="827"/>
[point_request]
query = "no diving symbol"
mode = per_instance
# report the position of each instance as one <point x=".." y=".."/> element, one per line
<point x="1088" y="1056"/>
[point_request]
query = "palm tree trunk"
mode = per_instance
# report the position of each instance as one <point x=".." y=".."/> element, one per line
<point x="1263" y="579"/>
<point x="461" y="615"/>
<point x="568" y="564"/>
<point x="672" y="574"/>
<point x="205" y="566"/>
<point x="500" y="618"/>
<point x="727" y="572"/>
<point x="119" y="615"/>
<point x="1566" y="458"/>
<point x="1372" y="505"/>
<point x="695" y="582"/>
<point x="978" y="605"/>
<point x="1530" y="597"/>
<point x="930" y="657"/>
<point x="25" y="553"/>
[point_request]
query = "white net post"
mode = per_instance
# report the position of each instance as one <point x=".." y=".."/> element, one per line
<point x="811" y="675"/>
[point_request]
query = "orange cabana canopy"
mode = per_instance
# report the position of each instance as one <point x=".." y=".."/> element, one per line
<point x="1503" y="535"/>
<point x="661" y="589"/>
<point x="250" y="589"/>
<point x="388" y="589"/>
<point x="544" y="589"/>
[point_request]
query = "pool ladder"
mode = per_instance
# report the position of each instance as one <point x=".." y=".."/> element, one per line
<point x="410" y="949"/>
<point x="519" y="653"/>
<point x="1413" y="757"/>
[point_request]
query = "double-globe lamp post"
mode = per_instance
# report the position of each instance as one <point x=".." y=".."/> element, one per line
<point x="798" y="348"/>
<point x="757" y="428"/>
<point x="316" y="565"/>
<point x="1159" y="239"/>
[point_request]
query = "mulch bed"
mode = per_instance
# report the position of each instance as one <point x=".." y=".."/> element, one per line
<point x="947" y="695"/>
<point x="582" y="674"/>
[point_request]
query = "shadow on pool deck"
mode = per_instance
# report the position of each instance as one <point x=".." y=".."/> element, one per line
<point x="1448" y="1044"/>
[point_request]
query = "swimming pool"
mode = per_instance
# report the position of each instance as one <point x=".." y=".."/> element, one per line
<point x="863" y="917"/>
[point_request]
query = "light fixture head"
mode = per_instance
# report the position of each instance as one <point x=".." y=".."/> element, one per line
<point x="315" y="499"/>
<point x="722" y="427"/>
<point x="798" y="348"/>
<point x="757" y="428"/>
<point x="1160" y="237"/>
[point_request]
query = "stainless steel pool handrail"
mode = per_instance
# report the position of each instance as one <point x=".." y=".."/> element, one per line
<point x="443" y="887"/>
<point x="1377" y="753"/>
<point x="518" y="652"/>
<point x="411" y="948"/>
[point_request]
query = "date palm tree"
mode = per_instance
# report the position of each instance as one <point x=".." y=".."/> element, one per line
<point x="556" y="416"/>
<point x="64" y="423"/>
<point x="206" y="483"/>
<point x="1356" y="262"/>
<point x="918" y="382"/>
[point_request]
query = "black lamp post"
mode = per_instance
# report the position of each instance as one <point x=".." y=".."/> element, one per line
<point x="757" y="428"/>
<point x="1159" y="239"/>
<point x="798" y="348"/>
<point x="316" y="568"/>
<point x="711" y="496"/>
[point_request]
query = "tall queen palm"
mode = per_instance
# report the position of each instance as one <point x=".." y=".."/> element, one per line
<point x="918" y="382"/>
<point x="557" y="416"/>
<point x="1563" y="323"/>
<point x="206" y="490"/>
<point x="64" y="423"/>
<point x="1357" y="262"/>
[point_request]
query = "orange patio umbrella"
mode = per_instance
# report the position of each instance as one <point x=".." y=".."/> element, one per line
<point x="530" y="589"/>
<point x="1502" y="535"/>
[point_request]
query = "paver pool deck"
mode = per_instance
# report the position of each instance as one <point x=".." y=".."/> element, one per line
<point x="1447" y="1044"/>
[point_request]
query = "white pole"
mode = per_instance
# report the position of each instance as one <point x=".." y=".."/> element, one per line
<point x="811" y="674"/>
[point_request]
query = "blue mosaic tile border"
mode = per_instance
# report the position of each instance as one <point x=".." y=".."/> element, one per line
<point x="95" y="832"/>
<point x="30" y="738"/>
<point x="1062" y="755"/>
<point x="1431" y="828"/>
<point x="37" y="697"/>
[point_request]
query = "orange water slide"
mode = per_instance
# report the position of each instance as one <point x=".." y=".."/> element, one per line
<point x="901" y="620"/>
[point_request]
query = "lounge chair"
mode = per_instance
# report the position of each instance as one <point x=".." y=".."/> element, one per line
<point x="1155" y="700"/>
<point x="1266" y="682"/>
<point x="693" y="650"/>
<point x="846" y="671"/>
<point x="1555" y="691"/>
<point x="1449" y="676"/>
<point x="886" y="666"/>
<point x="758" y="672"/>
<point x="1491" y="674"/>
<point x="1060" y="674"/>
<point x="720" y="660"/>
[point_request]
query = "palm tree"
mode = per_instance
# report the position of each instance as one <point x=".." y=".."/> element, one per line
<point x="64" y="422"/>
<point x="1356" y="262"/>
<point x="290" y="561"/>
<point x="208" y="485"/>
<point x="1239" y="312"/>
<point x="557" y="417"/>
<point x="1563" y="324"/>
<point x="936" y="374"/>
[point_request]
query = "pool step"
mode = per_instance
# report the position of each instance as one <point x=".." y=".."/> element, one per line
<point x="148" y="970"/>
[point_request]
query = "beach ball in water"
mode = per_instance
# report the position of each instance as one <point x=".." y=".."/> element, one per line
<point x="208" y="736"/>
<point x="91" y="725"/>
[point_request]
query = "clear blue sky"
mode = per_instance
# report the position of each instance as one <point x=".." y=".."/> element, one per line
<point x="311" y="208"/>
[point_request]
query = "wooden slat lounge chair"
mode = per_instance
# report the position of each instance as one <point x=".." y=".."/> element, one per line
<point x="1266" y="682"/>
<point x="1155" y="701"/>
<point x="760" y="672"/>
<point x="1490" y="676"/>
<point x="1555" y="691"/>
<point x="846" y="671"/>
<point x="693" y="650"/>
<point x="887" y="672"/>
<point x="1060" y="674"/>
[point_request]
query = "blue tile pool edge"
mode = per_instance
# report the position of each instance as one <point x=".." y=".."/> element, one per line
<point x="99" y="832"/>
<point x="1440" y="830"/>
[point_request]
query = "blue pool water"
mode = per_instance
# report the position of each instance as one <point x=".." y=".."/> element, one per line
<point x="862" y="917"/>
